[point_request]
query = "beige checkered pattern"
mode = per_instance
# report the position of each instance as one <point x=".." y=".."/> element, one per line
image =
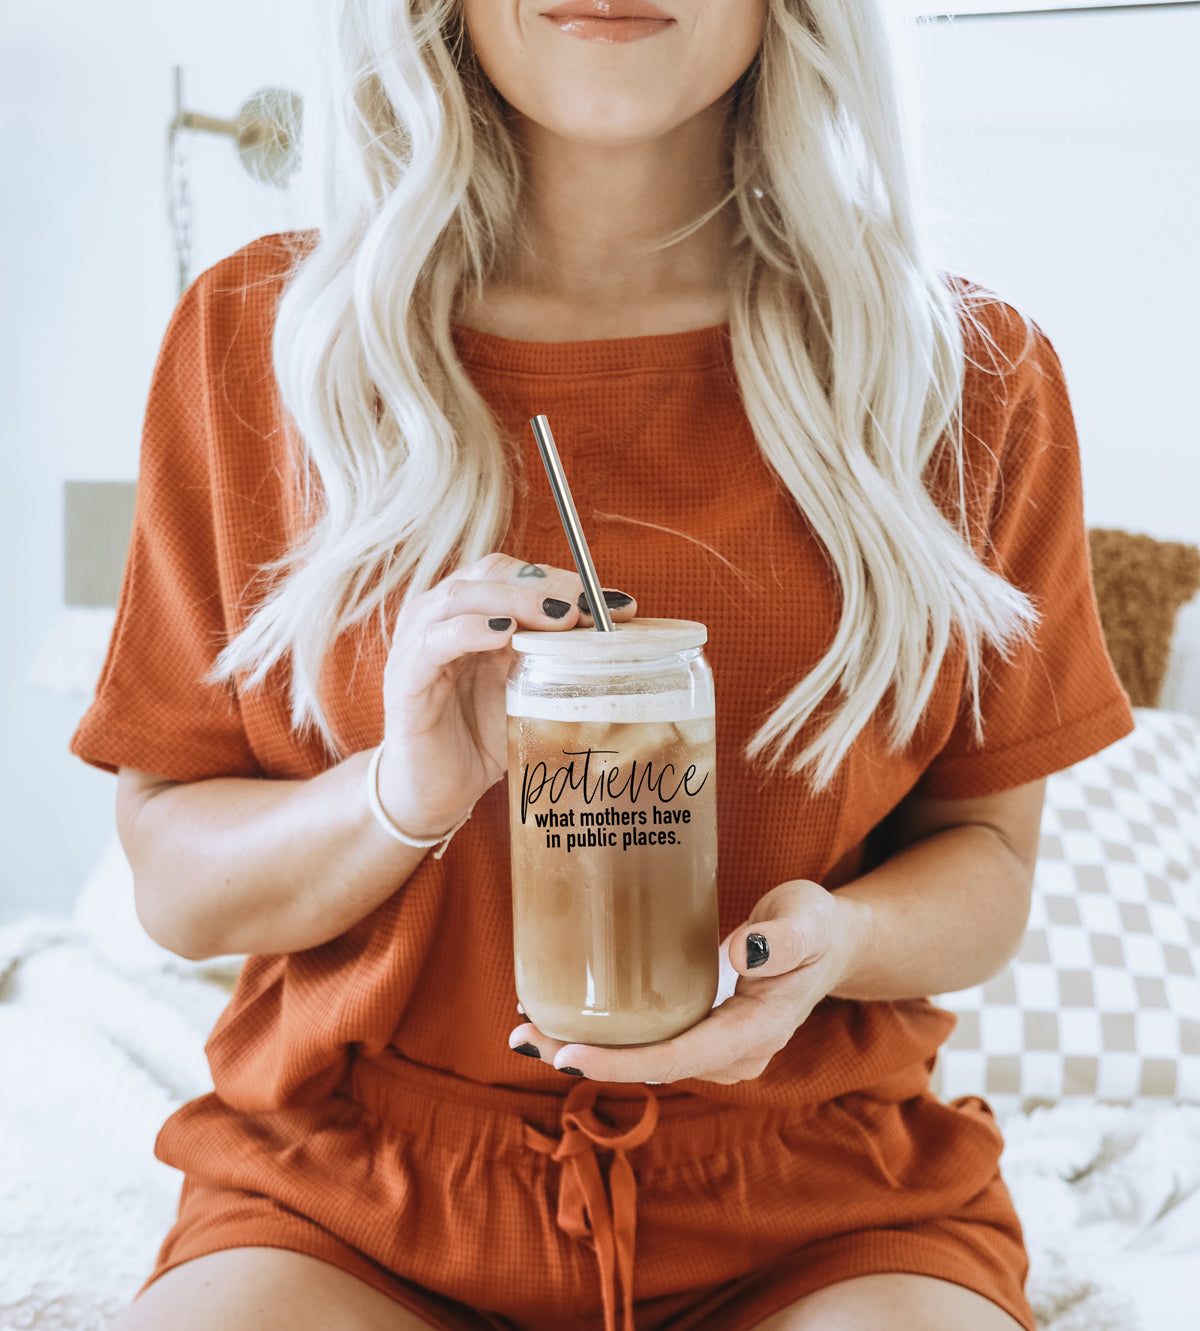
<point x="1103" y="999"/>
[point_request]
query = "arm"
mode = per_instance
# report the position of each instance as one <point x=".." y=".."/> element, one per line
<point x="946" y="910"/>
<point x="948" y="907"/>
<point x="230" y="865"/>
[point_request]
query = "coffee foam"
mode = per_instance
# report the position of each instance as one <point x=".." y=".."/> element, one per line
<point x="620" y="708"/>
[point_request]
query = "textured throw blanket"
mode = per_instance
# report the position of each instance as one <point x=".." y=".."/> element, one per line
<point x="95" y="1052"/>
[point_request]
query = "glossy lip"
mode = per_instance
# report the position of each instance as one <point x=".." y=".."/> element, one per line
<point x="612" y="30"/>
<point x="612" y="10"/>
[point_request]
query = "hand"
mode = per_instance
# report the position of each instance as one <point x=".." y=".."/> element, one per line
<point x="808" y="937"/>
<point x="445" y="729"/>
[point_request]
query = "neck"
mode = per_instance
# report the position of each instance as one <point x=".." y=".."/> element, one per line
<point x="586" y="263"/>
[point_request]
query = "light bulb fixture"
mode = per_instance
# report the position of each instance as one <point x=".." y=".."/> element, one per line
<point x="267" y="135"/>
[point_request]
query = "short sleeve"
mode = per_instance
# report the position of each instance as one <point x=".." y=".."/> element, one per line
<point x="1058" y="699"/>
<point x="154" y="709"/>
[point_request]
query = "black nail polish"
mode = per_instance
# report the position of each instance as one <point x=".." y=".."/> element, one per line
<point x="500" y="625"/>
<point x="529" y="1050"/>
<point x="574" y="1072"/>
<point x="757" y="950"/>
<point x="614" y="601"/>
<point x="554" y="608"/>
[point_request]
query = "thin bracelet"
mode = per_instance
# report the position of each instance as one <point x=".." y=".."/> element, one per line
<point x="381" y="817"/>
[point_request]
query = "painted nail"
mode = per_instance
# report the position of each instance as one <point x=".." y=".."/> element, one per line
<point x="757" y="950"/>
<point x="555" y="608"/>
<point x="530" y="571"/>
<point x="500" y="625"/>
<point x="614" y="601"/>
<point x="574" y="1072"/>
<point x="529" y="1050"/>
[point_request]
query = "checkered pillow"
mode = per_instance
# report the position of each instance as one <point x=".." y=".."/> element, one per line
<point x="1103" y="999"/>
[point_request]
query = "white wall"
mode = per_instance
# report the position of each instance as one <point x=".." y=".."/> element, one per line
<point x="87" y="283"/>
<point x="1065" y="150"/>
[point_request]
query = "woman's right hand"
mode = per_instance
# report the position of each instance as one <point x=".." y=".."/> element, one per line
<point x="445" y="729"/>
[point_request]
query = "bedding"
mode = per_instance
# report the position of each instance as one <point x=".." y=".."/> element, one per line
<point x="102" y="1034"/>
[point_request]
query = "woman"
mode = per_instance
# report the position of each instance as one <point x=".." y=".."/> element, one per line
<point x="684" y="232"/>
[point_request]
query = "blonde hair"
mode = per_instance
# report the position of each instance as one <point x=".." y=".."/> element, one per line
<point x="847" y="346"/>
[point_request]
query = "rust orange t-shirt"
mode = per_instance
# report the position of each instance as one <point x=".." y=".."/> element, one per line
<point x="680" y="510"/>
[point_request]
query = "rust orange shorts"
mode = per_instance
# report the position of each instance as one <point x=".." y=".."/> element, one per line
<point x="484" y="1207"/>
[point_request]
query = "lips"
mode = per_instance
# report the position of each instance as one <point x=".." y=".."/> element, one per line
<point x="609" y="21"/>
<point x="607" y="9"/>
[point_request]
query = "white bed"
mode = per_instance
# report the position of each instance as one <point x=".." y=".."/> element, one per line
<point x="102" y="1032"/>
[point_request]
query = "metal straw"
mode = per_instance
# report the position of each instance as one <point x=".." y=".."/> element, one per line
<point x="570" y="521"/>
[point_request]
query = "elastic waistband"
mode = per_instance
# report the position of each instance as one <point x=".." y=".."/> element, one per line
<point x="444" y="1112"/>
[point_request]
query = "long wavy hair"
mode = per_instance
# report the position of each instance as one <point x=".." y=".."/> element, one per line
<point x="847" y="344"/>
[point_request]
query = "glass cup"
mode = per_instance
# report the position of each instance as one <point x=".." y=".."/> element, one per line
<point x="612" y="810"/>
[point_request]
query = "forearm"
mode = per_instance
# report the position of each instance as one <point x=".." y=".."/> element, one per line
<point x="942" y="914"/>
<point x="235" y="866"/>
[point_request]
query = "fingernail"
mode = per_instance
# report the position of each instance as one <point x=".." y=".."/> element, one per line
<point x="529" y="1050"/>
<point x="554" y="608"/>
<point x="757" y="950"/>
<point x="500" y="625"/>
<point x="614" y="601"/>
<point x="574" y="1072"/>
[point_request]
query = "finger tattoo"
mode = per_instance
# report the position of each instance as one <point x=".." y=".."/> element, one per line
<point x="530" y="571"/>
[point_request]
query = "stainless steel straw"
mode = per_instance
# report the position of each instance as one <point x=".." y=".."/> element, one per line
<point x="570" y="521"/>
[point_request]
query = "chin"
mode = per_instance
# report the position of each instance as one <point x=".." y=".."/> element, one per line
<point x="606" y="121"/>
<point x="609" y="136"/>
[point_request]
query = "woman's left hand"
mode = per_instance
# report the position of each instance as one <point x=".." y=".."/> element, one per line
<point x="806" y="939"/>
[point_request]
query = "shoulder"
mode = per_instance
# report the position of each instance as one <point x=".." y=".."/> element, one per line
<point x="1007" y="357"/>
<point x="218" y="340"/>
<point x="241" y="291"/>
<point x="213" y="394"/>
<point x="263" y="263"/>
<point x="1017" y="429"/>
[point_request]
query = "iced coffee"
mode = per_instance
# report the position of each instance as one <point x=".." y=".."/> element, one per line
<point x="612" y="797"/>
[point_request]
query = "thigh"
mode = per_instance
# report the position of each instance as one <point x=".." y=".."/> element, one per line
<point x="916" y="1303"/>
<point x="263" y="1289"/>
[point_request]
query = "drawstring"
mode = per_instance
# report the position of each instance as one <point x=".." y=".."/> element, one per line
<point x="585" y="1209"/>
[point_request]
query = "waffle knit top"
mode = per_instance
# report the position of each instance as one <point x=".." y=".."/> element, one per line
<point x="680" y="510"/>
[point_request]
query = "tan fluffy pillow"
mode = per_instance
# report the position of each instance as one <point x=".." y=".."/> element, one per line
<point x="1140" y="584"/>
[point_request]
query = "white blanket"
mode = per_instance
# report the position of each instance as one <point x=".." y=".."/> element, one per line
<point x="95" y="1054"/>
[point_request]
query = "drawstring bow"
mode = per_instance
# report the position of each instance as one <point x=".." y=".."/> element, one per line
<point x="587" y="1210"/>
